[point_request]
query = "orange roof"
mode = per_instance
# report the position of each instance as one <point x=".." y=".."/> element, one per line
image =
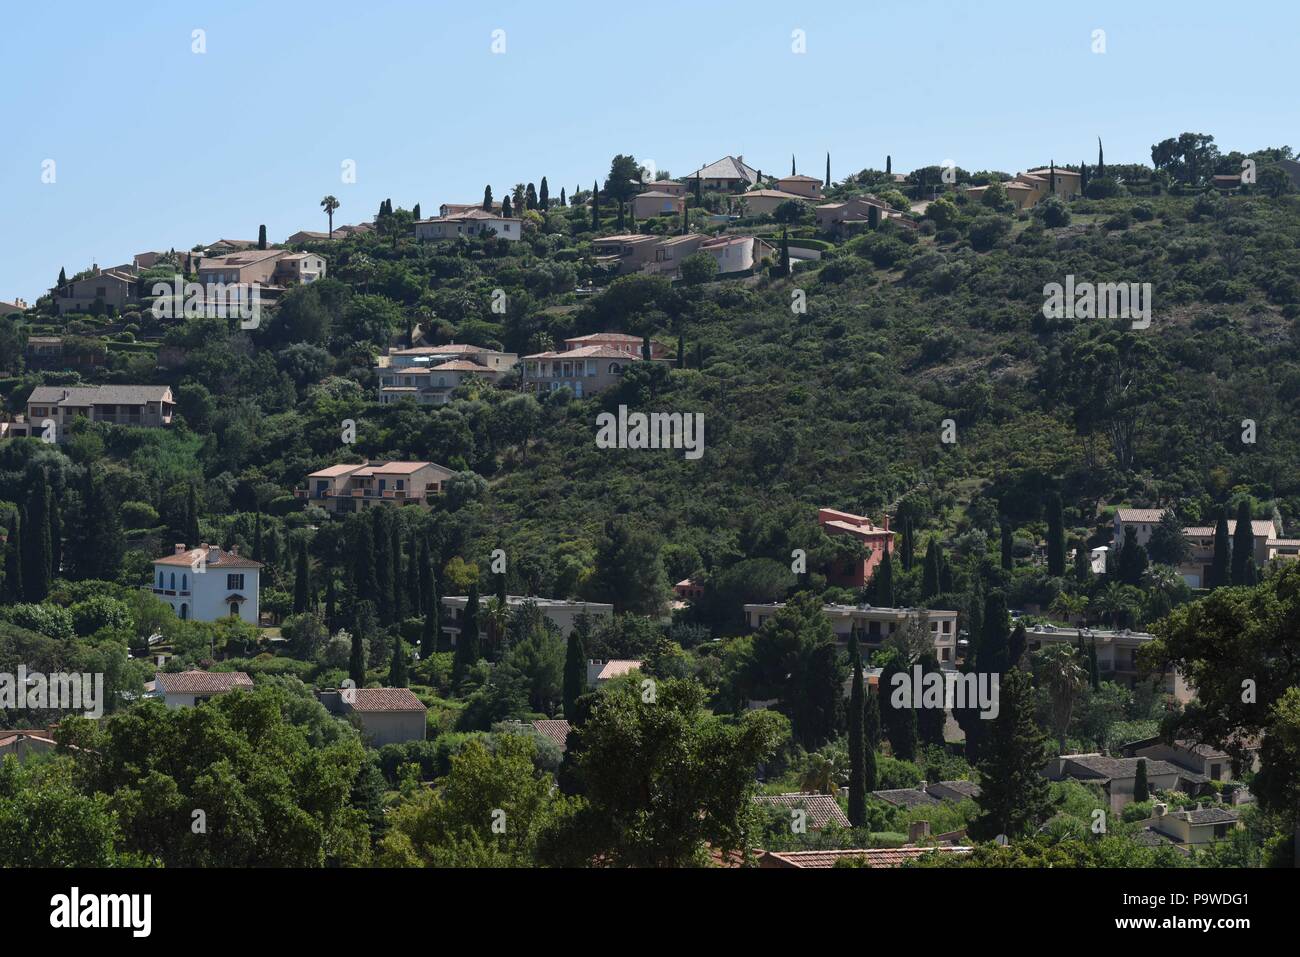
<point x="875" y="856"/>
<point x="202" y="682"/>
<point x="386" y="699"/>
<point x="460" y="365"/>
<point x="223" y="559"/>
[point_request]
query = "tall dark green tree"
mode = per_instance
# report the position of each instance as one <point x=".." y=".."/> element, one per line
<point x="1220" y="564"/>
<point x="857" y="739"/>
<point x="192" y="535"/>
<point x="397" y="668"/>
<point x="1014" y="796"/>
<point x="56" y="537"/>
<point x="1243" y="544"/>
<point x="357" y="659"/>
<point x="487" y="199"/>
<point x="13" y="592"/>
<point x="993" y="653"/>
<point x="1055" y="535"/>
<point x="897" y="711"/>
<point x="261" y="236"/>
<point x="302" y="580"/>
<point x="385" y="575"/>
<point x="544" y="195"/>
<point x="930" y="573"/>
<point x="575" y="673"/>
<point x="37" y="550"/>
<point x="364" y="583"/>
<point x="100" y="542"/>
<point x="828" y="170"/>
<point x="909" y="544"/>
<point x="414" y="603"/>
<point x="467" y="644"/>
<point x="595" y="207"/>
<point x="930" y="722"/>
<point x="1008" y="558"/>
<point x="871" y="740"/>
<point x="785" y="252"/>
<point x="1132" y="559"/>
<point x="1019" y="644"/>
<point x="1141" y="790"/>
<point x="884" y="581"/>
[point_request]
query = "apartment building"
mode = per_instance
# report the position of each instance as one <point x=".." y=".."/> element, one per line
<point x="1117" y="653"/>
<point x="352" y="488"/>
<point x="878" y="538"/>
<point x="873" y="625"/>
<point x="563" y="614"/>
<point x="146" y="406"/>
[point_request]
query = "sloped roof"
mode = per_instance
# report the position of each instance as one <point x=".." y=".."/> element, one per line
<point x="202" y="682"/>
<point x="729" y="167"/>
<point x="875" y="856"/>
<point x="100" y="394"/>
<point x="224" y="558"/>
<point x="555" y="730"/>
<point x="822" y="809"/>
<point x="386" y="699"/>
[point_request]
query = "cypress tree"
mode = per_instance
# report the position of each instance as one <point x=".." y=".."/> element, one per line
<point x="257" y="537"/>
<point x="502" y="595"/>
<point x="889" y="165"/>
<point x="945" y="574"/>
<point x="1082" y="560"/>
<point x="1132" y="560"/>
<point x="1243" y="543"/>
<point x="1219" y="567"/>
<point x="331" y="600"/>
<point x="1008" y="559"/>
<point x="530" y="197"/>
<point x="792" y="170"/>
<point x="1140" y="790"/>
<point x="397" y="668"/>
<point x="994" y="650"/>
<point x="1094" y="673"/>
<point x="100" y="543"/>
<point x="364" y="585"/>
<point x="1014" y="797"/>
<point x="357" y="660"/>
<point x="1019" y="645"/>
<point x="828" y="169"/>
<point x="1101" y="161"/>
<point x="63" y="277"/>
<point x="56" y="536"/>
<point x="930" y="722"/>
<point x="414" y="597"/>
<point x="1055" y="535"/>
<point x="909" y="545"/>
<point x="13" y="593"/>
<point x="467" y="650"/>
<point x="192" y="535"/>
<point x="261" y="236"/>
<point x="930" y="573"/>
<point x="595" y="206"/>
<point x="898" y="722"/>
<point x="428" y="587"/>
<point x="487" y="199"/>
<point x="507" y="209"/>
<point x="1083" y="178"/>
<point x="563" y="201"/>
<point x="681" y="352"/>
<point x="302" y="581"/>
<point x="384" y="575"/>
<point x="857" y="740"/>
<point x="37" y="550"/>
<point x="885" y="581"/>
<point x="785" y="253"/>
<point x="871" y="739"/>
<point x="575" y="673"/>
<point x="415" y="211"/>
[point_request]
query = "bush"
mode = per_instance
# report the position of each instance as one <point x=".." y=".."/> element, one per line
<point x="985" y="232"/>
<point x="136" y="515"/>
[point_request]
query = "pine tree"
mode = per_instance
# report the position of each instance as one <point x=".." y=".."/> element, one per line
<point x="397" y="668"/>
<point x="575" y="673"/>
<point x="930" y="573"/>
<point x="544" y="195"/>
<point x="302" y="581"/>
<point x="1014" y="796"/>
<point x="261" y="236"/>
<point x="885" y="581"/>
<point x="857" y="740"/>
<point x="1055" y="535"/>
<point x="1243" y="543"/>
<point x="1140" y="790"/>
<point x="1008" y="558"/>
<point x="487" y="199"/>
<point x="13" y="591"/>
<point x="467" y="648"/>
<point x="1219" y="567"/>
<point x="37" y="550"/>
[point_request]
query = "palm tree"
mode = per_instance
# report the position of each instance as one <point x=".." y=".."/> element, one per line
<point x="1065" y="677"/>
<point x="329" y="204"/>
<point x="495" y="617"/>
<point x="1118" y="603"/>
<point x="825" y="772"/>
<point x="1067" y="606"/>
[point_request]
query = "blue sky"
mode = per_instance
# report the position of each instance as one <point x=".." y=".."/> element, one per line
<point x="156" y="146"/>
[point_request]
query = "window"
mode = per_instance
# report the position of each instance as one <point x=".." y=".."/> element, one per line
<point x="235" y="582"/>
<point x="234" y="609"/>
<point x="173" y="581"/>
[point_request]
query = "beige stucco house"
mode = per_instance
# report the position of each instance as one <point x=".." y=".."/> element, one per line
<point x="351" y="488"/>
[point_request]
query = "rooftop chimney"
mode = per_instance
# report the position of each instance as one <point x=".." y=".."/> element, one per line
<point x="918" y="831"/>
<point x="886" y="521"/>
<point x="214" y="554"/>
<point x="180" y="548"/>
<point x="1159" y="809"/>
<point x="234" y="550"/>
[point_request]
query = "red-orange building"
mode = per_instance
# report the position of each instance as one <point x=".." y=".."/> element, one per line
<point x="878" y="538"/>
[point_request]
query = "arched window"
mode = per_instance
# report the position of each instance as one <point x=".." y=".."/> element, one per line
<point x="615" y="368"/>
<point x="185" y="582"/>
<point x="173" y="581"/>
<point x="185" y="611"/>
<point x="160" y="579"/>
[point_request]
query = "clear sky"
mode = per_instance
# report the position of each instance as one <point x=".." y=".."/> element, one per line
<point x="156" y="146"/>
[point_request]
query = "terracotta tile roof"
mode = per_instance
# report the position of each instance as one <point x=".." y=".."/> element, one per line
<point x="799" y="178"/>
<point x="587" y="352"/>
<point x="1149" y="515"/>
<point x="202" y="682"/>
<point x="223" y="559"/>
<point x="905" y="797"/>
<point x="386" y="699"/>
<point x="334" y="471"/>
<point x="875" y="856"/>
<point x="729" y="167"/>
<point x="606" y="337"/>
<point x="555" y="730"/>
<point x="460" y="365"/>
<point x="822" y="809"/>
<point x="772" y="193"/>
<point x="604" y="670"/>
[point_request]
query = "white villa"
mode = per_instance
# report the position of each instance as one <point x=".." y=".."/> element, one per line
<point x="207" y="583"/>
